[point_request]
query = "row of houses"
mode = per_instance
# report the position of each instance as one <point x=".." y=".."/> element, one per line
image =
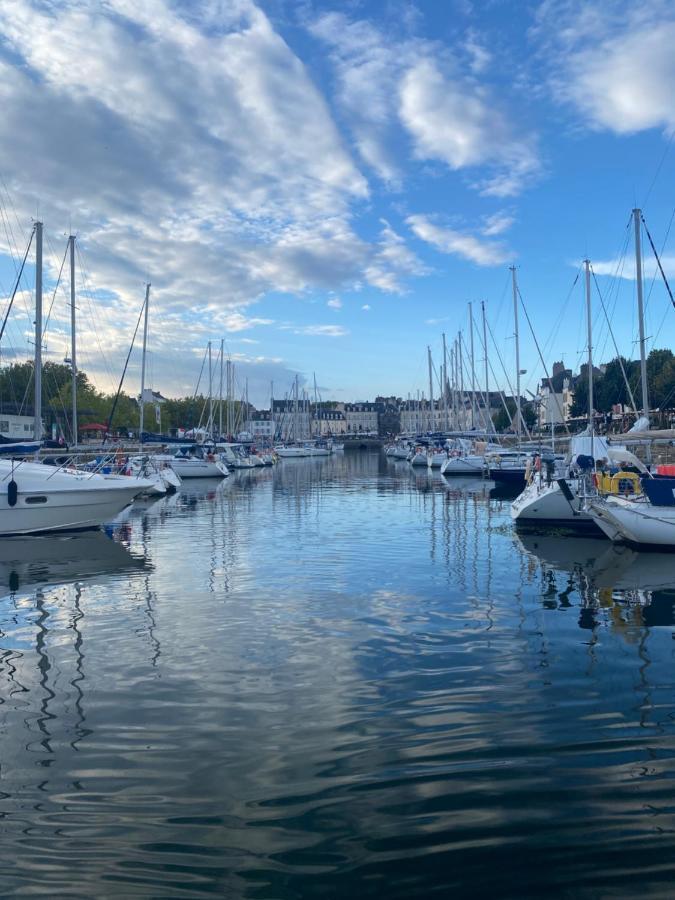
<point x="386" y="415"/>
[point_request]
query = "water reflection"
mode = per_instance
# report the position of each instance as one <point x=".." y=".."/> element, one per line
<point x="633" y="585"/>
<point x="26" y="562"/>
<point x="335" y="677"/>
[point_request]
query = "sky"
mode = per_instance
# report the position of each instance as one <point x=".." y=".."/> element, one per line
<point x="326" y="185"/>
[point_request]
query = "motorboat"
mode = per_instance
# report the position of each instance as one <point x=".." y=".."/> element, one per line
<point x="36" y="498"/>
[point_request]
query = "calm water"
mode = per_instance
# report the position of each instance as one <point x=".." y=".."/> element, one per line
<point x="337" y="678"/>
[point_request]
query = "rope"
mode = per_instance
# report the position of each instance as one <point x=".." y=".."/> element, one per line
<point x="124" y="372"/>
<point x="658" y="262"/>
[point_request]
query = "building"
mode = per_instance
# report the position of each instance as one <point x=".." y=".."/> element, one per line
<point x="554" y="406"/>
<point x="329" y="422"/>
<point x="292" y="424"/>
<point x="362" y="418"/>
<point x="260" y="424"/>
<point x="16" y="428"/>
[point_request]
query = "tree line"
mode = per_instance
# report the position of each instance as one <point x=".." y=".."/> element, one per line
<point x="94" y="406"/>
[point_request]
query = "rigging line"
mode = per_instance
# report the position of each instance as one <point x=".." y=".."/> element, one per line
<point x="658" y="262"/>
<point x="124" y="372"/>
<point x="201" y="372"/>
<point x="508" y="381"/>
<point x="16" y="285"/>
<point x="58" y="282"/>
<point x="611" y="332"/>
<point x="87" y="294"/>
<point x="548" y="377"/>
<point x="658" y="168"/>
<point x="614" y="286"/>
<point x="494" y="378"/>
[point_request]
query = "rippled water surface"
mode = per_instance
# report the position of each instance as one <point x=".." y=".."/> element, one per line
<point x="337" y="678"/>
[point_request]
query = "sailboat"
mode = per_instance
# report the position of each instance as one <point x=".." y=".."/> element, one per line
<point x="547" y="500"/>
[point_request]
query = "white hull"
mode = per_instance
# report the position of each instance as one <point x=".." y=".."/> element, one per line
<point x="635" y="521"/>
<point x="436" y="460"/>
<point x="55" y="500"/>
<point x="463" y="465"/>
<point x="419" y="459"/>
<point x="545" y="504"/>
<point x="198" y="468"/>
<point x="291" y="452"/>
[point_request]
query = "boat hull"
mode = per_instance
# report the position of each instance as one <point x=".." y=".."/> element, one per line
<point x="546" y="506"/>
<point x="64" y="510"/>
<point x="635" y="522"/>
<point x="463" y="465"/>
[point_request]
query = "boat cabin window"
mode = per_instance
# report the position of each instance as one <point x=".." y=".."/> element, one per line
<point x="37" y="499"/>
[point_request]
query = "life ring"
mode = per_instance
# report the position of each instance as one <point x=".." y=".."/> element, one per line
<point x="625" y="483"/>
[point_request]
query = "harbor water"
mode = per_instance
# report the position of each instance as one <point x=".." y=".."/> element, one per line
<point x="337" y="677"/>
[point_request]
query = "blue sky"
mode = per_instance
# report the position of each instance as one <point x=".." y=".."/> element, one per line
<point x="326" y="185"/>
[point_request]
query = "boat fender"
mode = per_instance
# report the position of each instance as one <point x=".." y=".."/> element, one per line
<point x="12" y="493"/>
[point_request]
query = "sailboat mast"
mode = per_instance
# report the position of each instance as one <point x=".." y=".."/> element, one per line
<point x="637" y="213"/>
<point x="487" y="380"/>
<point x="519" y="420"/>
<point x="431" y="392"/>
<point x="220" y="393"/>
<point x="461" y="381"/>
<point x="210" y="422"/>
<point x="73" y="340"/>
<point x="445" y="385"/>
<point x="473" y="372"/>
<point x="145" y="349"/>
<point x="587" y="268"/>
<point x="37" y="383"/>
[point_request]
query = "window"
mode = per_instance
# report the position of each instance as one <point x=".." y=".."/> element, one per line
<point x="4" y="425"/>
<point x="37" y="499"/>
<point x="27" y="427"/>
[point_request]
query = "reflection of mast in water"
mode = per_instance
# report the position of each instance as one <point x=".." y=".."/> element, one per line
<point x="149" y="597"/>
<point x="44" y="667"/>
<point x="78" y="678"/>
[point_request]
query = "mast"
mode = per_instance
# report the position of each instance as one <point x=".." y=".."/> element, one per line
<point x="431" y="392"/>
<point x="37" y="384"/>
<point x="273" y="427"/>
<point x="73" y="341"/>
<point x="210" y="422"/>
<point x="487" y="380"/>
<point x="591" y="424"/>
<point x="145" y="347"/>
<point x="519" y="420"/>
<point x="445" y="385"/>
<point x="473" y="372"/>
<point x="461" y="381"/>
<point x="295" y="411"/>
<point x="637" y="213"/>
<point x="220" y="392"/>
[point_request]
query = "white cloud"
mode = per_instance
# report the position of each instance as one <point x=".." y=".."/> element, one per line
<point x="366" y="307"/>
<point x="385" y="83"/>
<point x="195" y="154"/>
<point x="457" y="243"/>
<point x="624" y="267"/>
<point x="613" y="63"/>
<point x="393" y="260"/>
<point x="318" y="330"/>
<point x="334" y="303"/>
<point x="496" y="224"/>
<point x="456" y="122"/>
